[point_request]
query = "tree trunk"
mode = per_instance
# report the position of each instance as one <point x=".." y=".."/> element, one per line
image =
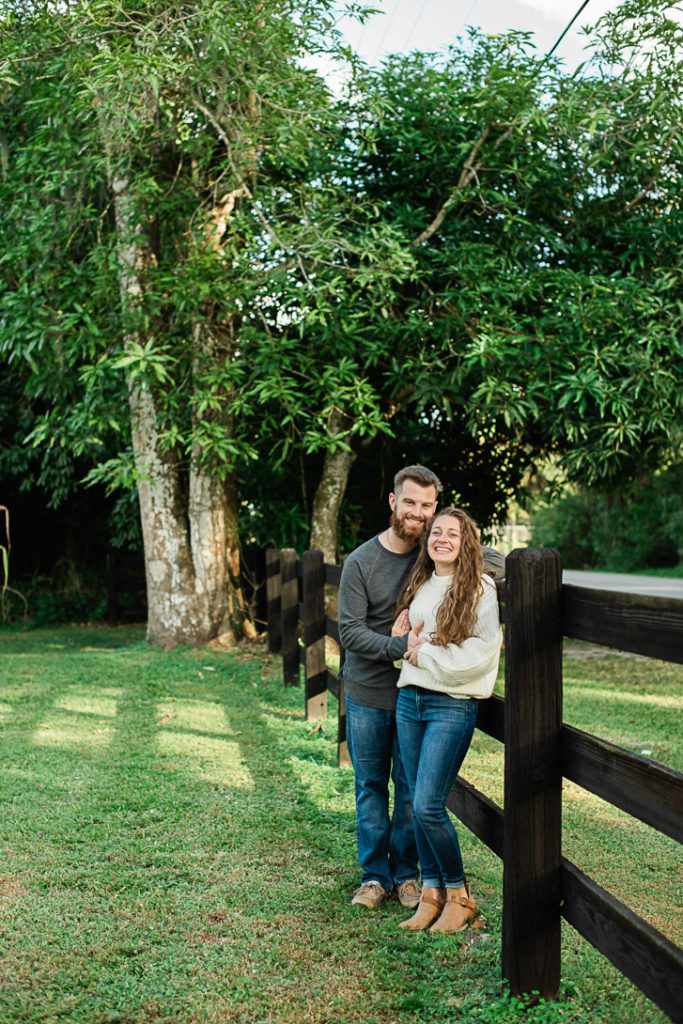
<point x="329" y="495"/>
<point x="213" y="501"/>
<point x="189" y="520"/>
<point x="215" y="554"/>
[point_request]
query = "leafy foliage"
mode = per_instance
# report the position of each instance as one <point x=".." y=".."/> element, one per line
<point x="508" y="286"/>
<point x="472" y="261"/>
<point x="637" y="528"/>
<point x="549" y="295"/>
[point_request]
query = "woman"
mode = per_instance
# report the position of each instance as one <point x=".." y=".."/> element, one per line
<point x="451" y="663"/>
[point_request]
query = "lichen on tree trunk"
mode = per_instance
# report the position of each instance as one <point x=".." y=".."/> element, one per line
<point x="329" y="494"/>
<point x="189" y="516"/>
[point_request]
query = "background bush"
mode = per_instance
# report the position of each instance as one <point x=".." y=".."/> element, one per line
<point x="640" y="527"/>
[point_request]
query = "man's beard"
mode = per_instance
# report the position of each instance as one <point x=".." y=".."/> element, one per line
<point x="411" y="531"/>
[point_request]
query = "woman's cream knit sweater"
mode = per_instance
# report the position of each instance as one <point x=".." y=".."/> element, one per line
<point x="461" y="670"/>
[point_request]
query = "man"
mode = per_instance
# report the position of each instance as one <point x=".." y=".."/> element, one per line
<point x="371" y="580"/>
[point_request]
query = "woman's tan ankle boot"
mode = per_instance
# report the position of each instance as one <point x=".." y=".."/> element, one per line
<point x="428" y="909"/>
<point x="459" y="909"/>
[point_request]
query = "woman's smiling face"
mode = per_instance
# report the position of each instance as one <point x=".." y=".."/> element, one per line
<point x="444" y="544"/>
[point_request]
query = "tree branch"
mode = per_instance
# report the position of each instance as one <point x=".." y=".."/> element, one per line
<point x="643" y="192"/>
<point x="468" y="172"/>
<point x="245" y="188"/>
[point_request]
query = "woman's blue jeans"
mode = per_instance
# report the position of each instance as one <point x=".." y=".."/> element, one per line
<point x="386" y="844"/>
<point x="434" y="732"/>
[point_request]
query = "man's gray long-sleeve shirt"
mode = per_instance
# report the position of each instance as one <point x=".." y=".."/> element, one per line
<point x="370" y="584"/>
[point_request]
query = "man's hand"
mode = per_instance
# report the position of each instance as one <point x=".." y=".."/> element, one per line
<point x="402" y="624"/>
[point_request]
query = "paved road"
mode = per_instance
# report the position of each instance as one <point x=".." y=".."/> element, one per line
<point x="657" y="585"/>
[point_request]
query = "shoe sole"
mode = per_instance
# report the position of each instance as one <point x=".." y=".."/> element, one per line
<point x="454" y="931"/>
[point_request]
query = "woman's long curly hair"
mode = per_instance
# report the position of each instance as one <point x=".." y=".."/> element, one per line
<point x="457" y="612"/>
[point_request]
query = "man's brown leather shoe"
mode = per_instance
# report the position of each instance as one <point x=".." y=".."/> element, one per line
<point x="371" y="894"/>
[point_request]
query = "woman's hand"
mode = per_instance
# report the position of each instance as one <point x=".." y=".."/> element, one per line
<point x="402" y="624"/>
<point x="411" y="656"/>
<point x="414" y="644"/>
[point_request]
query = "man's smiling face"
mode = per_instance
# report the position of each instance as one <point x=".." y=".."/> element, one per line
<point x="411" y="508"/>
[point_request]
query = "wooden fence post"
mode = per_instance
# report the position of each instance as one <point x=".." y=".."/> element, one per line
<point x="289" y="616"/>
<point x="343" y="756"/>
<point x="314" y="635"/>
<point x="273" y="600"/>
<point x="533" y="772"/>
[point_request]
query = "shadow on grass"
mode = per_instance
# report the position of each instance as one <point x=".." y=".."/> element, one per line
<point x="180" y="847"/>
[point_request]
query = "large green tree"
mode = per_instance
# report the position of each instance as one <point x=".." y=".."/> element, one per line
<point x="205" y="261"/>
<point x="137" y="218"/>
<point x="511" y="279"/>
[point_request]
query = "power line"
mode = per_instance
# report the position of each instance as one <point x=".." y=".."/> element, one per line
<point x="419" y="15"/>
<point x="552" y="51"/>
<point x="386" y="30"/>
<point x="464" y="22"/>
<point x="466" y="18"/>
<point x="557" y="42"/>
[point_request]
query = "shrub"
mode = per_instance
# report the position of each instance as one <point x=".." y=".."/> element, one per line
<point x="638" y="528"/>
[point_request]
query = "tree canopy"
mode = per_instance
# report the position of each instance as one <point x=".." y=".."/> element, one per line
<point x="232" y="289"/>
<point x="514" y="286"/>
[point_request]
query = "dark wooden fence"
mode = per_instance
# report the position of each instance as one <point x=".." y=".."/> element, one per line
<point x="540" y="886"/>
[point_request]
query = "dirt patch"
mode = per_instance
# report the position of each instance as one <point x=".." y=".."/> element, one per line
<point x="11" y="887"/>
<point x="592" y="653"/>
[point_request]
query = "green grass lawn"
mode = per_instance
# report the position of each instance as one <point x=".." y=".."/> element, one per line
<point x="178" y="845"/>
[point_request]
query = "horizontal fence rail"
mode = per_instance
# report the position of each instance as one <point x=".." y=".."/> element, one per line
<point x="638" y="623"/>
<point x="539" y="885"/>
<point x="648" y="791"/>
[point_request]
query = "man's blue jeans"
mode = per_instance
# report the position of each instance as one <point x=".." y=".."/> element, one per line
<point x="387" y="851"/>
<point x="434" y="731"/>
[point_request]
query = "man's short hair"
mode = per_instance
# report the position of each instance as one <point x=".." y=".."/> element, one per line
<point x="420" y="474"/>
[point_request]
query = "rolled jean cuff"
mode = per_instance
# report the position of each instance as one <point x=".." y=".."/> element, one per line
<point x="438" y="883"/>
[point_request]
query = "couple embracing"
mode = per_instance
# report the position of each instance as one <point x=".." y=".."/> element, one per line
<point x="418" y="620"/>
